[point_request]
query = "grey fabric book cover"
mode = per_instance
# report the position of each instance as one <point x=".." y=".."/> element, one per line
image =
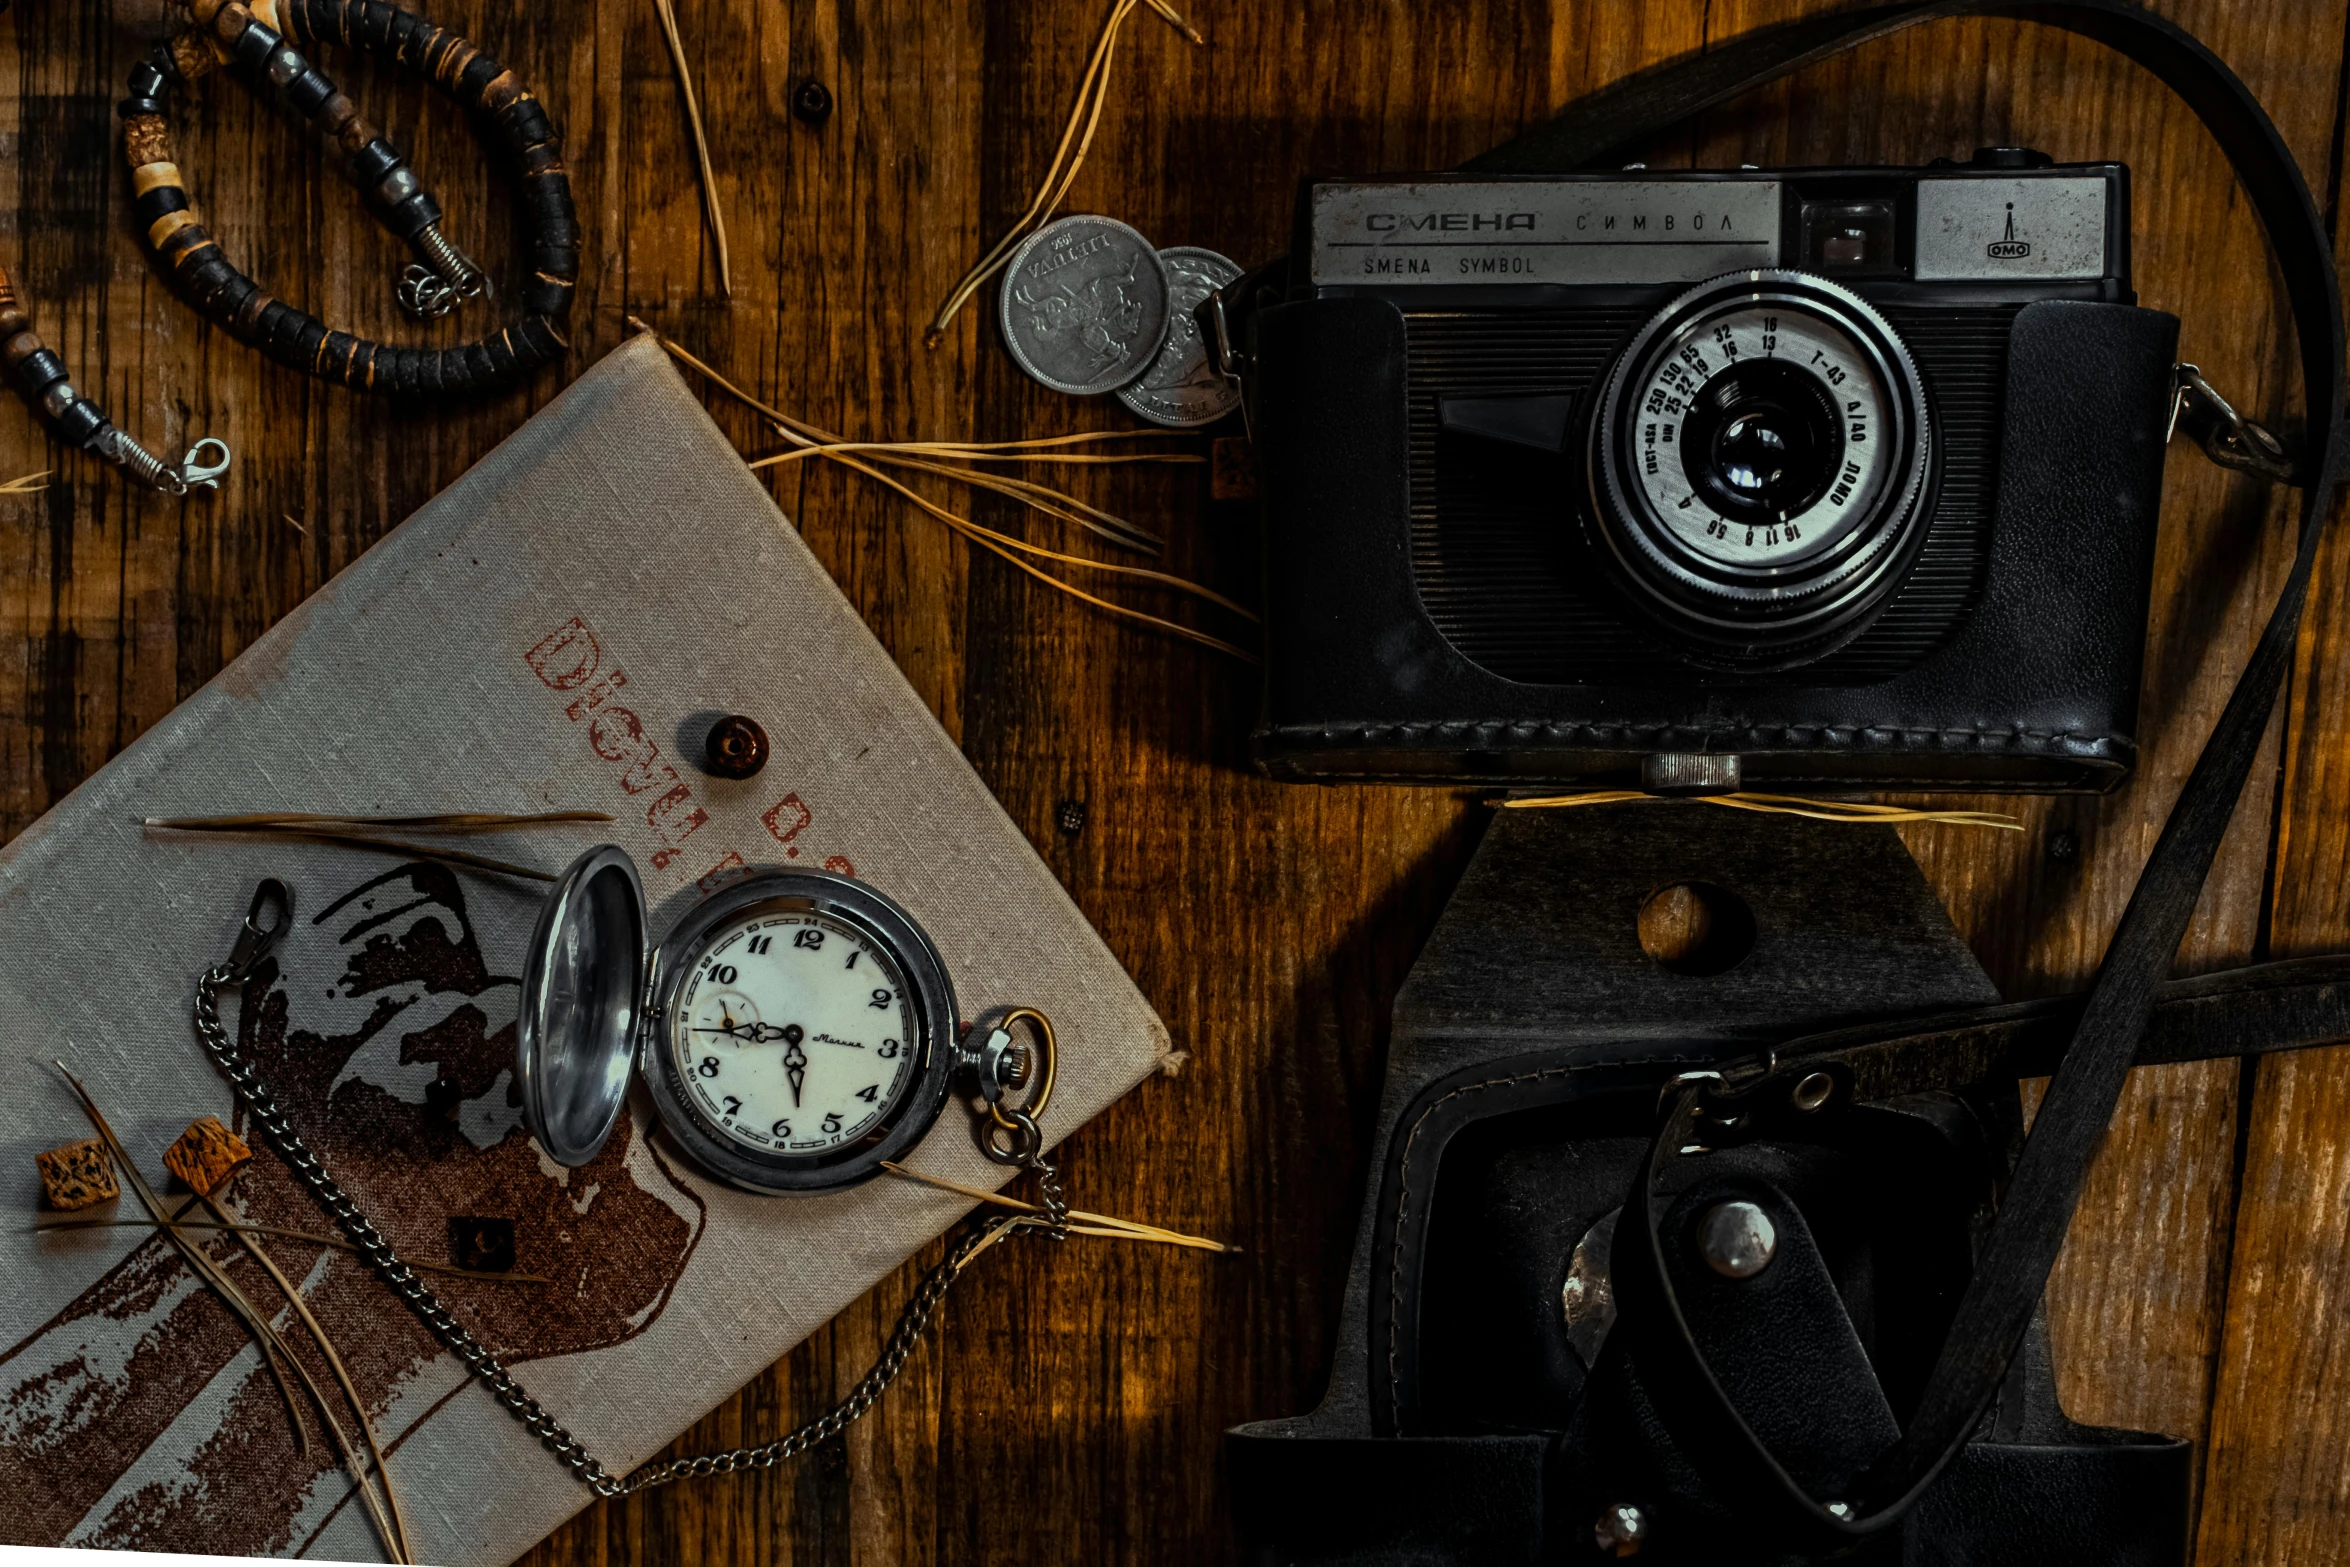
<point x="541" y="636"/>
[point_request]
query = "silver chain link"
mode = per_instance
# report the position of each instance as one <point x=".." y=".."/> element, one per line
<point x="378" y="1254"/>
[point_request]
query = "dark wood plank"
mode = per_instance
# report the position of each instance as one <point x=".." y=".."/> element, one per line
<point x="1070" y="1407"/>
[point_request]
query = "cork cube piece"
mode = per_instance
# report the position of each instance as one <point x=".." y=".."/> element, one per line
<point x="79" y="1175"/>
<point x="206" y="1154"/>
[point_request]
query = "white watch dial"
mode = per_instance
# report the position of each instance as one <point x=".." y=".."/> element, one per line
<point x="793" y="1033"/>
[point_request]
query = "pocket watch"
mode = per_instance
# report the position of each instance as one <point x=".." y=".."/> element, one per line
<point x="795" y="1029"/>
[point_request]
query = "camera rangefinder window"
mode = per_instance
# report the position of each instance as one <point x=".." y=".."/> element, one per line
<point x="1849" y="236"/>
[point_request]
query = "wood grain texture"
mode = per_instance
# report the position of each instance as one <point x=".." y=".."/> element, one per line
<point x="1071" y="1405"/>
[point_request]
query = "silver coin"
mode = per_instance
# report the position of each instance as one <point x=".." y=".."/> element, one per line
<point x="1084" y="304"/>
<point x="1181" y="388"/>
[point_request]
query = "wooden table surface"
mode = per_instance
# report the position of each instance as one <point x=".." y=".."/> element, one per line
<point x="1071" y="1408"/>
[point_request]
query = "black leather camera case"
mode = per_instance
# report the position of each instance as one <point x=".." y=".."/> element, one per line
<point x="2029" y="680"/>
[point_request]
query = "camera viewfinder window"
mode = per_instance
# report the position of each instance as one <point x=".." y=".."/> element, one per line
<point x="1849" y="236"/>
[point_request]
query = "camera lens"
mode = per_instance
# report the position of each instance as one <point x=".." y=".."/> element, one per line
<point x="1759" y="463"/>
<point x="1762" y="440"/>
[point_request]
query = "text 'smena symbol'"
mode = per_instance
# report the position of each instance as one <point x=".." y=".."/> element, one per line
<point x="2007" y="247"/>
<point x="140" y="1417"/>
<point x="1084" y="305"/>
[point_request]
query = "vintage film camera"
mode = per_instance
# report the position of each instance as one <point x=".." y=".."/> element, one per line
<point x="1791" y="477"/>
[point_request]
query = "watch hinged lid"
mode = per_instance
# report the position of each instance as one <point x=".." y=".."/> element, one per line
<point x="583" y="994"/>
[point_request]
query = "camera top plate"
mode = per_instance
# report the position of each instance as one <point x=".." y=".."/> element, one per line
<point x="2010" y="218"/>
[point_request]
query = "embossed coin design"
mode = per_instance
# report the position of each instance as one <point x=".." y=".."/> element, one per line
<point x="1084" y="304"/>
<point x="1181" y="388"/>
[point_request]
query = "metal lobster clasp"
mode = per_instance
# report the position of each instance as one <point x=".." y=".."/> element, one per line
<point x="272" y="911"/>
<point x="202" y="472"/>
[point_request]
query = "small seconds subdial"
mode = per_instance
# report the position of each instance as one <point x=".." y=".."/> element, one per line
<point x="793" y="1033"/>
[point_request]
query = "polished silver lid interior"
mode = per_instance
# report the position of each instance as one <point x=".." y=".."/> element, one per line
<point x="583" y="983"/>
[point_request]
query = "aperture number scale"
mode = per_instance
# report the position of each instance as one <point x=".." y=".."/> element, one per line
<point x="1699" y="385"/>
<point x="792" y="1033"/>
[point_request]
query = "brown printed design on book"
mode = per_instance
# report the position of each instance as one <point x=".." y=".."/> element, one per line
<point x="370" y="1001"/>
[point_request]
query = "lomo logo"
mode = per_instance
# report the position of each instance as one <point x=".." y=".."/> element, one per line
<point x="2007" y="247"/>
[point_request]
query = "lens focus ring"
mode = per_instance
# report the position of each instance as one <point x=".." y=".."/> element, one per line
<point x="1759" y="466"/>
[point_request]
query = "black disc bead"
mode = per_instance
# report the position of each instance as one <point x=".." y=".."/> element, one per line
<point x="547" y="196"/>
<point x="256" y="43"/>
<point x="395" y="370"/>
<point x="181" y="241"/>
<point x="308" y="92"/>
<point x="455" y="374"/>
<point x="373" y="29"/>
<point x="134" y="106"/>
<point x="229" y="299"/>
<point x="157" y="202"/>
<point x="501" y="357"/>
<point x="522" y="125"/>
<point x="36" y="371"/>
<point x="547" y="296"/>
<point x="312" y="339"/>
<point x="537" y="342"/>
<point x="413" y="216"/>
<point x="372" y="162"/>
<point x="479" y="72"/>
<point x="334" y="358"/>
<point x="81" y="423"/>
<point x="406" y="32"/>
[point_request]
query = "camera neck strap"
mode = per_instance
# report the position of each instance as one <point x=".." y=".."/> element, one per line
<point x="2020" y="1249"/>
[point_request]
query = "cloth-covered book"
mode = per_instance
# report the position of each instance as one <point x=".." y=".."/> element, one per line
<point x="555" y="631"/>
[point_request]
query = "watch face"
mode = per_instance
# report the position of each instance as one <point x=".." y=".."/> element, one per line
<point x="791" y="1032"/>
<point x="800" y="1032"/>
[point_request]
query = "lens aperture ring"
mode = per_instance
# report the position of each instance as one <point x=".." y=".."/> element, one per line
<point x="1760" y="461"/>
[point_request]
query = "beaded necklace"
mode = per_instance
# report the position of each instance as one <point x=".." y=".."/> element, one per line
<point x="257" y="42"/>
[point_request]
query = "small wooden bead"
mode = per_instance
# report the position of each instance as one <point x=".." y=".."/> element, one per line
<point x="206" y="1154"/>
<point x="192" y="56"/>
<point x="19" y="347"/>
<point x="145" y="140"/>
<point x="355" y="135"/>
<point x="78" y="1175"/>
<point x="337" y="112"/>
<point x="167" y="225"/>
<point x="736" y="747"/>
<point x="14" y="318"/>
<point x="230" y="21"/>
